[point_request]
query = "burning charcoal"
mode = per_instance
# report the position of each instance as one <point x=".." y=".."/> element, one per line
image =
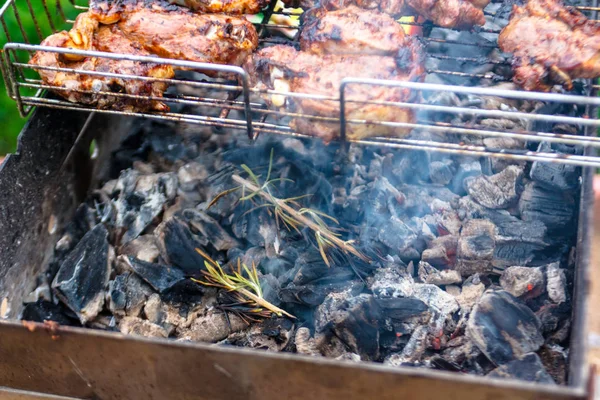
<point x="475" y="249"/>
<point x="464" y="171"/>
<point x="496" y="191"/>
<point x="163" y="314"/>
<point x="191" y="175"/>
<point x="305" y="344"/>
<point x="42" y="310"/>
<point x="391" y="281"/>
<point x="441" y="252"/>
<point x="441" y="172"/>
<point x="528" y="368"/>
<point x="313" y="293"/>
<point x="160" y="277"/>
<point x="503" y="327"/>
<point x="555" y="175"/>
<point x="554" y="359"/>
<point x="355" y="320"/>
<point x="556" y="283"/>
<point x="178" y="246"/>
<point x="555" y="209"/>
<point x="141" y="200"/>
<point x="414" y="349"/>
<point x="552" y="316"/>
<point x="401" y="308"/>
<point x="428" y="274"/>
<point x="383" y="194"/>
<point x="471" y="292"/>
<point x="83" y="276"/>
<point x="396" y="235"/>
<point x="212" y="327"/>
<point x="143" y="248"/>
<point x="140" y="327"/>
<point x="435" y="298"/>
<point x="272" y="335"/>
<point x="461" y="350"/>
<point x="210" y="229"/>
<point x="520" y="281"/>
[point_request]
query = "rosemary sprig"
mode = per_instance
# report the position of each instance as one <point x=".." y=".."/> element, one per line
<point x="243" y="283"/>
<point x="289" y="213"/>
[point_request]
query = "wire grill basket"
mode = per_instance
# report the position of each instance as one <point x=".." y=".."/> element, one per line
<point x="196" y="99"/>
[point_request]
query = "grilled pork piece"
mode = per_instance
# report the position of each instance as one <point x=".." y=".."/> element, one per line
<point x="285" y="69"/>
<point x="105" y="38"/>
<point x="224" y="6"/>
<point x="352" y="30"/>
<point x="457" y="14"/>
<point x="552" y="44"/>
<point x="393" y="7"/>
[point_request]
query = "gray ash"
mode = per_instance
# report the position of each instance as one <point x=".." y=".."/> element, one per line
<point x="469" y="265"/>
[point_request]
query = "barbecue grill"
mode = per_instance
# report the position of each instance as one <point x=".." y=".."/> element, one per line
<point x="70" y="361"/>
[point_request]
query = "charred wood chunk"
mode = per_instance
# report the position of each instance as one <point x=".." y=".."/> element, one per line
<point x="143" y="248"/>
<point x="496" y="191"/>
<point x="523" y="281"/>
<point x="314" y="293"/>
<point x="464" y="171"/>
<point x="178" y="246"/>
<point x="273" y="334"/>
<point x="83" y="276"/>
<point x="555" y="209"/>
<point x="160" y="277"/>
<point x="553" y="316"/>
<point x="402" y="308"/>
<point x="429" y="274"/>
<point x="436" y="298"/>
<point x="384" y="196"/>
<point x="528" y="367"/>
<point x="555" y="175"/>
<point x="396" y="235"/>
<point x="441" y="172"/>
<point x="554" y="359"/>
<point x="353" y="319"/>
<point x="441" y="252"/>
<point x="140" y="327"/>
<point x="476" y="246"/>
<point x="141" y="200"/>
<point x="127" y="294"/>
<point x="556" y="283"/>
<point x="42" y="310"/>
<point x="503" y="327"/>
<point x="212" y="327"/>
<point x="210" y="229"/>
<point x="391" y="281"/>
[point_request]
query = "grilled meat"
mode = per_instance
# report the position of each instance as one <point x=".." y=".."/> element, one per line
<point x="171" y="31"/>
<point x="284" y="69"/>
<point x="392" y="7"/>
<point x="224" y="6"/>
<point x="352" y="31"/>
<point x="457" y="14"/>
<point x="551" y="44"/>
<point x="73" y="84"/>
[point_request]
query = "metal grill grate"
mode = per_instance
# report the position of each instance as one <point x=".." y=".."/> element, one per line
<point x="197" y="99"/>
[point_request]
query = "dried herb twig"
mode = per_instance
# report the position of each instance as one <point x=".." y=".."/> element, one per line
<point x="247" y="288"/>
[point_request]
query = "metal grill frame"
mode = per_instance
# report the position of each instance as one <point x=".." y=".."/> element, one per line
<point x="13" y="67"/>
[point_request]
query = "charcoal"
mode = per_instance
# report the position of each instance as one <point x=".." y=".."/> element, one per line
<point x="556" y="283"/>
<point x="464" y="171"/>
<point x="552" y="316"/>
<point x="141" y="200"/>
<point x="163" y="314"/>
<point x="43" y="310"/>
<point x="250" y="257"/>
<point x="401" y="308"/>
<point x="116" y="296"/>
<point x="396" y="235"/>
<point x="436" y="298"/>
<point x="475" y="249"/>
<point x="160" y="277"/>
<point x="428" y="274"/>
<point x="127" y="294"/>
<point x="527" y="367"/>
<point x="305" y="344"/>
<point x="83" y="276"/>
<point x="441" y="252"/>
<point x="471" y="292"/>
<point x="354" y="320"/>
<point x="258" y="227"/>
<point x="413" y="350"/>
<point x="143" y="248"/>
<point x="42" y="292"/>
<point x="383" y="194"/>
<point x="178" y="246"/>
<point x="273" y="334"/>
<point x="141" y="327"/>
<point x="391" y="281"/>
<point x="191" y="175"/>
<point x="554" y="359"/>
<point x="503" y="143"/>
<point x="212" y="327"/>
<point x="555" y="209"/>
<point x="210" y="229"/>
<point x="496" y="191"/>
<point x="460" y="351"/>
<point x="314" y="293"/>
<point x="521" y="281"/>
<point x="441" y="172"/>
<point x="554" y="175"/>
<point x="503" y="327"/>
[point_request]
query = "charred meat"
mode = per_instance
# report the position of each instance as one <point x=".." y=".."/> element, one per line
<point x="352" y="30"/>
<point x="551" y="44"/>
<point x="82" y="88"/>
<point x="224" y="6"/>
<point x="393" y="7"/>
<point x="457" y="14"/>
<point x="284" y="69"/>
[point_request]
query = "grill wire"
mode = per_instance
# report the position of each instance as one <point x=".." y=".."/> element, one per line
<point x="239" y="107"/>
